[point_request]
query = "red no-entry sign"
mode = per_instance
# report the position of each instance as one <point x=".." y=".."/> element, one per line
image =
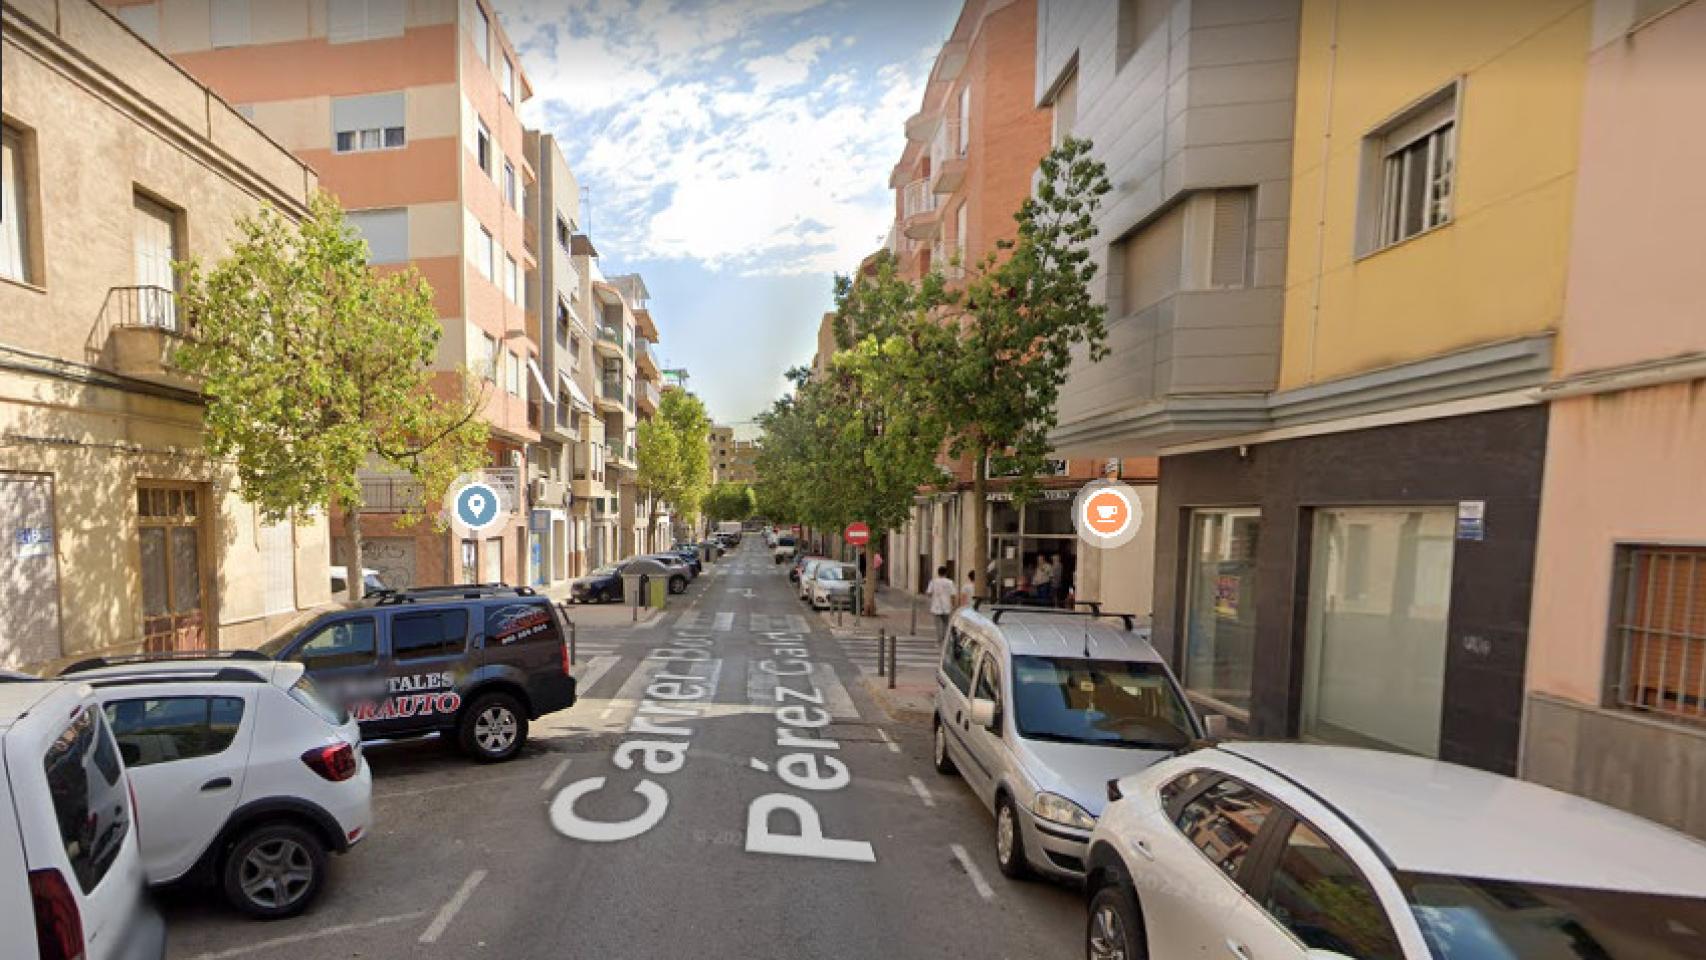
<point x="858" y="534"/>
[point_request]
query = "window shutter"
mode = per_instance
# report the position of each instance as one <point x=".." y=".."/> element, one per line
<point x="346" y="21"/>
<point x="1153" y="259"/>
<point x="386" y="233"/>
<point x="278" y="565"/>
<point x="1230" y="257"/>
<point x="384" y="18"/>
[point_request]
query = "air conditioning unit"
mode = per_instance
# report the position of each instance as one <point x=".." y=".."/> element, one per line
<point x="515" y="458"/>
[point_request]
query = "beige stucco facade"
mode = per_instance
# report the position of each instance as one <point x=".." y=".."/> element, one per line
<point x="94" y="419"/>
<point x="1622" y="523"/>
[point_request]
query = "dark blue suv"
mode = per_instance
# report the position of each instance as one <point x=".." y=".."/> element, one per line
<point x="475" y="662"/>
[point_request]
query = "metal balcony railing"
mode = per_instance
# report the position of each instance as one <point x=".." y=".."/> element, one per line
<point x="146" y="306"/>
<point x="610" y="334"/>
<point x="653" y="396"/>
<point x="917" y="199"/>
<point x="390" y="493"/>
<point x="947" y="144"/>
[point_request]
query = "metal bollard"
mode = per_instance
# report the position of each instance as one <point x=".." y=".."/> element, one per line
<point x="894" y="665"/>
<point x="880" y="664"/>
<point x="914" y="631"/>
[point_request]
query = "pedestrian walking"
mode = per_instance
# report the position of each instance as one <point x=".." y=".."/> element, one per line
<point x="968" y="593"/>
<point x="941" y="594"/>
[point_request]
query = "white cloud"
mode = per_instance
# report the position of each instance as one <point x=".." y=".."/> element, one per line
<point x="692" y="148"/>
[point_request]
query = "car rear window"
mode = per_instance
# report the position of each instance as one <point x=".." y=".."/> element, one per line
<point x="526" y="622"/>
<point x="89" y="803"/>
<point x="304" y="691"/>
<point x="164" y="729"/>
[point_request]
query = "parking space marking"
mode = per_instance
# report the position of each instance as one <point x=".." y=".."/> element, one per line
<point x="923" y="791"/>
<point x="341" y="928"/>
<point x="893" y="747"/>
<point x="487" y="781"/>
<point x="976" y="875"/>
<point x="725" y="621"/>
<point x="556" y="774"/>
<point x="449" y="911"/>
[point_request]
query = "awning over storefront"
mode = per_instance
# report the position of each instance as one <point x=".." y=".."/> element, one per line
<point x="576" y="395"/>
<point x="539" y="378"/>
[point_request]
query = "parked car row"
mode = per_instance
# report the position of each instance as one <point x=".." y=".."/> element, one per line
<point x="824" y="583"/>
<point x="1073" y="732"/>
<point x="244" y="770"/>
<point x="682" y="564"/>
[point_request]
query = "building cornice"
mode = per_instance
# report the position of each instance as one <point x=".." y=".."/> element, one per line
<point x="1632" y="376"/>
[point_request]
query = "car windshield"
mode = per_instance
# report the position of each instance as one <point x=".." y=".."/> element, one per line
<point x="281" y="639"/>
<point x="1105" y="702"/>
<point x="1465" y="918"/>
<point x="831" y="573"/>
<point x="784" y="541"/>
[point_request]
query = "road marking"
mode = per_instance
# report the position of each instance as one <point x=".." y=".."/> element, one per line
<point x="893" y="747"/>
<point x="556" y="775"/>
<point x="447" y="786"/>
<point x="449" y="911"/>
<point x="311" y="935"/>
<point x="976" y="875"/>
<point x="607" y="711"/>
<point x="594" y="671"/>
<point x="725" y="622"/>
<point x="923" y="791"/>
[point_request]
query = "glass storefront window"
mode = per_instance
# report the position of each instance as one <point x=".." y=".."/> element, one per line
<point x="1220" y="612"/>
<point x="1379" y="595"/>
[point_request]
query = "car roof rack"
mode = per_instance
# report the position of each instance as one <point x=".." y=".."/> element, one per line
<point x="455" y="591"/>
<point x="162" y="656"/>
<point x="1094" y="613"/>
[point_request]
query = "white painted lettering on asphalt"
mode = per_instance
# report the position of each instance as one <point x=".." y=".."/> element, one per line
<point x="449" y="911"/>
<point x="978" y="883"/>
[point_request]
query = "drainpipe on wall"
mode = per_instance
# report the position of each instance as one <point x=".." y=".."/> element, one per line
<point x="1321" y="212"/>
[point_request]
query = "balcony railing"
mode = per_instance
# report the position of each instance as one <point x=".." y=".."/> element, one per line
<point x="947" y="148"/>
<point x="917" y="199"/>
<point x="650" y="394"/>
<point x="152" y="307"/>
<point x="611" y="390"/>
<point x="610" y="336"/>
<point x="390" y="493"/>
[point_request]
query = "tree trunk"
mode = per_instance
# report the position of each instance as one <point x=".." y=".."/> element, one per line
<point x="980" y="527"/>
<point x="870" y="578"/>
<point x="352" y="570"/>
<point x="652" y="525"/>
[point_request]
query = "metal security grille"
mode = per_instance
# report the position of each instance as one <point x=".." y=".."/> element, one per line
<point x="1660" y="631"/>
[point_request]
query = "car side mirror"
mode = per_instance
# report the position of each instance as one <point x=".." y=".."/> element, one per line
<point x="983" y="712"/>
<point x="1215" y="726"/>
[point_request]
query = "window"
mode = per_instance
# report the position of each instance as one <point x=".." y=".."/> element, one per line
<point x="489" y="363"/>
<point x="470" y="561"/>
<point x="507" y="79"/>
<point x="529" y="622"/>
<point x="1220" y="616"/>
<point x="14" y="207"/>
<point x="1150" y="263"/>
<point x="386" y="233"/>
<point x="1138" y="19"/>
<point x="440" y="633"/>
<point x="482" y="35"/>
<point x="1317" y="894"/>
<point x="494" y="559"/>
<point x="485" y="256"/>
<point x="512" y="279"/>
<point x="1181" y="786"/>
<point x="352" y="21"/>
<point x="965" y="120"/>
<point x="960" y="236"/>
<point x="86" y="780"/>
<point x="1224" y="822"/>
<point x="374" y="121"/>
<point x="1065" y="113"/>
<point x="563" y="234"/>
<point x="1073" y="700"/>
<point x="1659" y="628"/>
<point x="575" y="347"/>
<point x="156" y="247"/>
<point x="345" y="643"/>
<point x="277" y="543"/>
<point x="483" y="145"/>
<point x="988" y="683"/>
<point x="1229" y="239"/>
<point x="229" y="22"/>
<point x="174" y="605"/>
<point x="958" y="658"/>
<point x="510" y="196"/>
<point x="512" y="374"/>
<point x="1410" y="170"/>
<point x="166" y="729"/>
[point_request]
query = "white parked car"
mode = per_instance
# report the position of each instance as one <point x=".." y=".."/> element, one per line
<point x="832" y="586"/>
<point x="71" y="876"/>
<point x="246" y="775"/>
<point x="783" y="550"/>
<point x="1288" y="851"/>
<point x="803" y="586"/>
<point x="370" y="582"/>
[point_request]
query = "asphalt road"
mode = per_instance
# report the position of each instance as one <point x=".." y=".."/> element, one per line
<point x="737" y="700"/>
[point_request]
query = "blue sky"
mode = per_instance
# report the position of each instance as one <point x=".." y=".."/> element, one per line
<point x="734" y="152"/>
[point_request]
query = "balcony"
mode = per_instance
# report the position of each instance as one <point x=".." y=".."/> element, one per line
<point x="644" y="361"/>
<point x="921" y="218"/>
<point x="144" y="329"/>
<point x="951" y="61"/>
<point x="648" y="396"/>
<point x="644" y="325"/>
<point x="390" y="492"/>
<point x="921" y="125"/>
<point x="611" y="398"/>
<point x="948" y="157"/>
<point x="609" y="341"/>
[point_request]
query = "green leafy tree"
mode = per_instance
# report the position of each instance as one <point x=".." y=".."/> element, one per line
<point x="673" y="458"/>
<point x="314" y="366"/>
<point x="730" y="501"/>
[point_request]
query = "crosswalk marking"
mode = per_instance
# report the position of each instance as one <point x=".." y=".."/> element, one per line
<point x="725" y="621"/>
<point x="909" y="652"/>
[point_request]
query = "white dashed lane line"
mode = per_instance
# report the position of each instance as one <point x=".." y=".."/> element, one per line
<point x="978" y="883"/>
<point x="923" y="791"/>
<point x="449" y="911"/>
<point x="893" y="747"/>
<point x="556" y="774"/>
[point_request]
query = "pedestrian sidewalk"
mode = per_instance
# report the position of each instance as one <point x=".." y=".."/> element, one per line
<point x="609" y="616"/>
<point x="912" y="696"/>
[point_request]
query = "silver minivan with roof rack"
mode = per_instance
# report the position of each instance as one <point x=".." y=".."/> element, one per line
<point x="1038" y="708"/>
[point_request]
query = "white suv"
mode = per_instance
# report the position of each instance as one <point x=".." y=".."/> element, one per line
<point x="71" y="881"/>
<point x="246" y="774"/>
<point x="1290" y="851"/>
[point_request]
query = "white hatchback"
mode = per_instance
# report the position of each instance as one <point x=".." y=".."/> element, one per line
<point x="71" y="882"/>
<point x="1289" y="851"/>
<point x="246" y="775"/>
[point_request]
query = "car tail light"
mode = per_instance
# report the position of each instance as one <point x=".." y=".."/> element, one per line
<point x="336" y="763"/>
<point x="566" y="671"/>
<point x="59" y="927"/>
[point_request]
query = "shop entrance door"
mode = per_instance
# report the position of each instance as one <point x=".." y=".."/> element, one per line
<point x="1379" y="597"/>
<point x="175" y="608"/>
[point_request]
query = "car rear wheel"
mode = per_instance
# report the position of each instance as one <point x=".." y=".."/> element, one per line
<point x="1113" y="930"/>
<point x="1010" y="841"/>
<point x="493" y="727"/>
<point x="939" y="752"/>
<point x="274" y="871"/>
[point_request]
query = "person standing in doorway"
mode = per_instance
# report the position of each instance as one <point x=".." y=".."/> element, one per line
<point x="968" y="592"/>
<point x="941" y="594"/>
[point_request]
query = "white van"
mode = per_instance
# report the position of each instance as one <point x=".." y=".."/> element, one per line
<point x="71" y="882"/>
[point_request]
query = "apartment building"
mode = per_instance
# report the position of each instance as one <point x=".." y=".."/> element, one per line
<point x="408" y="113"/>
<point x="122" y="534"/>
<point x="1349" y="557"/>
<point x="1616" y="678"/>
<point x="721" y="441"/>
